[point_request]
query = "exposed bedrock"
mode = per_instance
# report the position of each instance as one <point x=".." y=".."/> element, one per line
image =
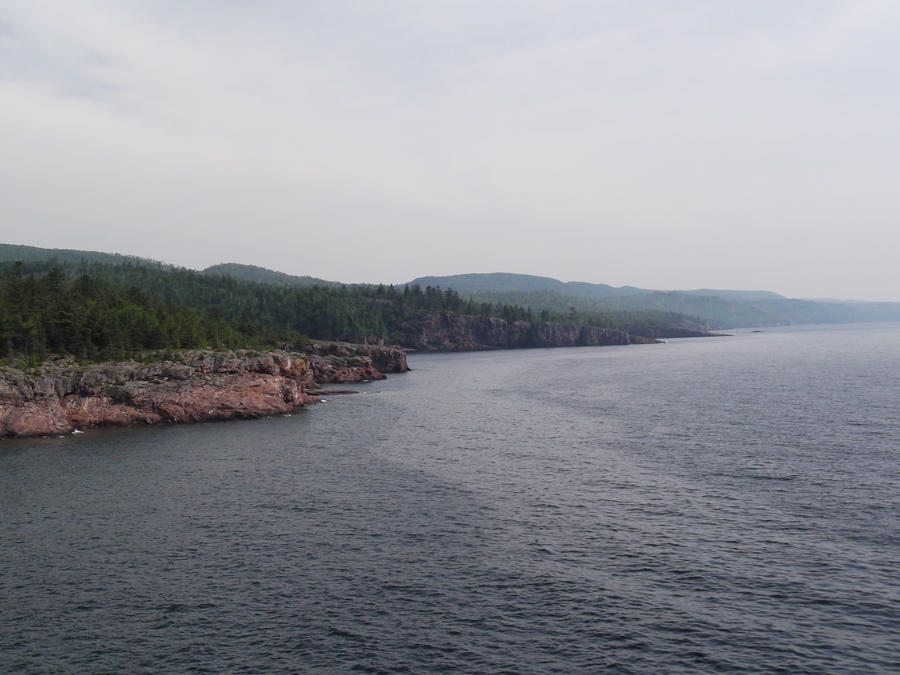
<point x="199" y="386"/>
<point x="456" y="332"/>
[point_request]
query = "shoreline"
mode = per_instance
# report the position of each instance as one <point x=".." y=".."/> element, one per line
<point x="207" y="385"/>
<point x="198" y="386"/>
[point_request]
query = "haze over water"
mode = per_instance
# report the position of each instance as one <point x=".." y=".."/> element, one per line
<point x="726" y="504"/>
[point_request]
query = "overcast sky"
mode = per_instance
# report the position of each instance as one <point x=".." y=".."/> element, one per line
<point x="730" y="144"/>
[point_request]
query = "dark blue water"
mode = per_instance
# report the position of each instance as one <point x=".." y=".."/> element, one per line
<point x="712" y="505"/>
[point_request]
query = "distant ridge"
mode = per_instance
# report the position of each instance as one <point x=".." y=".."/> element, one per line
<point x="508" y="282"/>
<point x="12" y="252"/>
<point x="265" y="276"/>
<point x="9" y="252"/>
<point x="735" y="295"/>
<point x="503" y="282"/>
<point x="721" y="309"/>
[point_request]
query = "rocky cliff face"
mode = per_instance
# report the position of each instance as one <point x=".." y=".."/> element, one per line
<point x="456" y="332"/>
<point x="326" y="355"/>
<point x="200" y="386"/>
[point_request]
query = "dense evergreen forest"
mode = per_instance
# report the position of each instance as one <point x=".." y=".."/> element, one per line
<point x="335" y="312"/>
<point x="271" y="306"/>
<point x="49" y="315"/>
<point x="94" y="310"/>
<point x="265" y="276"/>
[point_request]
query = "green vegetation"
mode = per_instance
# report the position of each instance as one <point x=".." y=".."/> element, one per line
<point x="48" y="315"/>
<point x="503" y="282"/>
<point x="95" y="310"/>
<point x="278" y="313"/>
<point x="718" y="308"/>
<point x="28" y="254"/>
<point x="265" y="276"/>
<point x="271" y="307"/>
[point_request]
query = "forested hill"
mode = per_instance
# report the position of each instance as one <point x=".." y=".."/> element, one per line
<point x="14" y="252"/>
<point x="33" y="254"/>
<point x="502" y="282"/>
<point x="247" y="295"/>
<point x="265" y="276"/>
<point x="721" y="309"/>
<point x="132" y="299"/>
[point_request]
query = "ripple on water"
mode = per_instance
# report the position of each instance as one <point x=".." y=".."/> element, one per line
<point x="700" y="506"/>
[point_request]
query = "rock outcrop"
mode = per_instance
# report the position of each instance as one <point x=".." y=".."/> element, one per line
<point x="335" y="355"/>
<point x="458" y="332"/>
<point x="198" y="386"/>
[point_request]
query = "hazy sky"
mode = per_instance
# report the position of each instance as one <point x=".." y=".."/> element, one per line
<point x="729" y="144"/>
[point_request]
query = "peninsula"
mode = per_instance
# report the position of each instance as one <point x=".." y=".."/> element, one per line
<point x="90" y="339"/>
<point x="195" y="386"/>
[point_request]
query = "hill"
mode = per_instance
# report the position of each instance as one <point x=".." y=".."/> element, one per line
<point x="32" y="254"/>
<point x="13" y="252"/>
<point x="721" y="309"/>
<point x="734" y="295"/>
<point x="265" y="276"/>
<point x="503" y="282"/>
<point x="223" y="311"/>
<point x="271" y="305"/>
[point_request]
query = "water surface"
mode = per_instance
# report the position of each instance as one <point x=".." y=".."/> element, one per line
<point x="707" y="505"/>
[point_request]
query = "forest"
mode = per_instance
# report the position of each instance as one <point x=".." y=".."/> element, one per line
<point x="48" y="315"/>
<point x="96" y="310"/>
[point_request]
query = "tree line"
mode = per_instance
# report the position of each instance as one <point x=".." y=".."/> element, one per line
<point x="49" y="315"/>
<point x="95" y="310"/>
<point x="98" y="311"/>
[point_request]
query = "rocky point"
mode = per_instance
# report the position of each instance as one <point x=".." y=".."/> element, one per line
<point x="198" y="386"/>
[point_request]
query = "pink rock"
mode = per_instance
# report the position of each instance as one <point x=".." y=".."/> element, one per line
<point x="206" y="386"/>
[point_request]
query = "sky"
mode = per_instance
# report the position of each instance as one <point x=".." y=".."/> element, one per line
<point x="749" y="144"/>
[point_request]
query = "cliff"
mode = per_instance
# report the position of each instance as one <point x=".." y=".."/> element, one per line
<point x="458" y="332"/>
<point x="674" y="332"/>
<point x="199" y="386"/>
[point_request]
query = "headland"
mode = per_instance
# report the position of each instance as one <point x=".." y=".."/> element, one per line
<point x="190" y="386"/>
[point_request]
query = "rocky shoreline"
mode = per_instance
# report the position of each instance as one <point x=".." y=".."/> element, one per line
<point x="196" y="386"/>
<point x="449" y="332"/>
<point x="205" y="385"/>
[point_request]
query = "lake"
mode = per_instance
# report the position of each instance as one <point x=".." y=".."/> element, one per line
<point x="706" y="505"/>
